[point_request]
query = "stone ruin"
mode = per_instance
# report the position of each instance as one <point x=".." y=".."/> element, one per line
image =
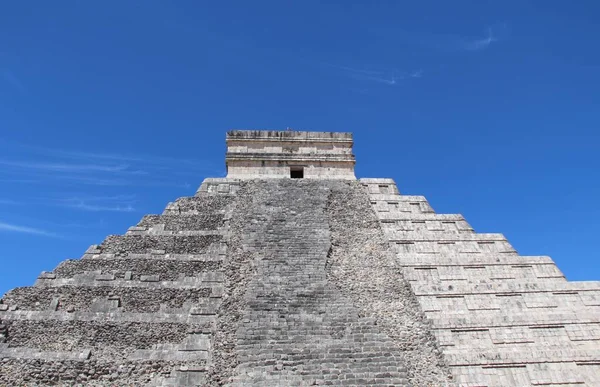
<point x="291" y="272"/>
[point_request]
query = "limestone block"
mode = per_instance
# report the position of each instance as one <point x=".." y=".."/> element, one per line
<point x="54" y="304"/>
<point x="197" y="342"/>
<point x="47" y="275"/>
<point x="105" y="277"/>
<point x="93" y="249"/>
<point x="590" y="298"/>
<point x="150" y="278"/>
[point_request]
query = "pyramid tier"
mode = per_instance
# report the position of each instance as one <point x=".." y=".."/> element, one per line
<point x="500" y="319"/>
<point x="201" y="204"/>
<point x="181" y="222"/>
<point x="105" y="298"/>
<point x="167" y="244"/>
<point x="167" y="269"/>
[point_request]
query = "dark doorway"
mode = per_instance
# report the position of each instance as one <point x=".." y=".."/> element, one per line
<point x="297" y="172"/>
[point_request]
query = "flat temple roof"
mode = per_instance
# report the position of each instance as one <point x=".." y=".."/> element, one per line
<point x="283" y="135"/>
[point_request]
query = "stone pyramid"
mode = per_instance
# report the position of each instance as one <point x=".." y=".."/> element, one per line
<point x="291" y="272"/>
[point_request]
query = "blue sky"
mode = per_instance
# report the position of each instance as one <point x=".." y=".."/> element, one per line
<point x="109" y="110"/>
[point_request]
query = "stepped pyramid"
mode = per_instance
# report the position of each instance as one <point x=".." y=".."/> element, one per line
<point x="291" y="272"/>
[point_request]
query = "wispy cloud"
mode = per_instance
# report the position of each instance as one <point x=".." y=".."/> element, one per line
<point x="116" y="203"/>
<point x="64" y="167"/>
<point x="81" y="205"/>
<point x="369" y="75"/>
<point x="416" y="74"/>
<point x="8" y="227"/>
<point x="480" y="43"/>
<point x="449" y="43"/>
<point x="40" y="165"/>
<point x="384" y="77"/>
<point x="11" y="79"/>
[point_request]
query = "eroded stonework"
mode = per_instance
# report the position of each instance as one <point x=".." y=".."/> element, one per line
<point x="299" y="282"/>
<point x="261" y="154"/>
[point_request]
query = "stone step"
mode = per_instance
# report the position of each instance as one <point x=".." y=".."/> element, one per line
<point x="194" y="316"/>
<point x="528" y="356"/>
<point x="397" y="197"/>
<point x="170" y="268"/>
<point x="158" y="231"/>
<point x="387" y="218"/>
<point x="543" y="318"/>
<point x="521" y="338"/>
<point x="559" y="374"/>
<point x="401" y="237"/>
<point x="183" y="222"/>
<point x="393" y="205"/>
<point x="430" y="229"/>
<point x="521" y="302"/>
<point x="68" y="371"/>
<point x="469" y="259"/>
<point x="106" y="340"/>
<point x="185" y="375"/>
<point x="482" y="273"/>
<point x="105" y="298"/>
<point x="128" y="244"/>
<point x="456" y="245"/>
<point x="218" y="185"/>
<point x="505" y="287"/>
<point x="7" y="352"/>
<point x="202" y="204"/>
<point x="209" y="280"/>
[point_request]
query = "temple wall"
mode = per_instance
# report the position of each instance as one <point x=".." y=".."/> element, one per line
<point x="302" y="148"/>
<point x="265" y="154"/>
<point x="277" y="169"/>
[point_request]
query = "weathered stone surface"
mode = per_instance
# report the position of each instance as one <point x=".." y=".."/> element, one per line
<point x="38" y="372"/>
<point x="184" y="223"/>
<point x="362" y="266"/>
<point x="107" y="340"/>
<point x="290" y="325"/>
<point x="140" y="300"/>
<point x="499" y="319"/>
<point x="168" y="269"/>
<point x="263" y="154"/>
<point x="297" y="282"/>
<point x="204" y="204"/>
<point x="127" y="244"/>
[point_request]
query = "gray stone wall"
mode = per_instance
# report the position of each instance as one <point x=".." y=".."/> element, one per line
<point x="500" y="319"/>
<point x="138" y="309"/>
<point x="295" y="327"/>
<point x="362" y="265"/>
<point x="285" y="282"/>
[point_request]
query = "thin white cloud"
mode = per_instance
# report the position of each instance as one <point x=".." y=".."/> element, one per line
<point x="97" y="208"/>
<point x="24" y="229"/>
<point x="65" y="167"/>
<point x="480" y="43"/>
<point x="416" y="74"/>
<point x="449" y="43"/>
<point x="64" y="171"/>
<point x="385" y="77"/>
<point x="115" y="203"/>
<point x="99" y="158"/>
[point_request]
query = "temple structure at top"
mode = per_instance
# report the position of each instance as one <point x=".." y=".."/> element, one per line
<point x="259" y="154"/>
